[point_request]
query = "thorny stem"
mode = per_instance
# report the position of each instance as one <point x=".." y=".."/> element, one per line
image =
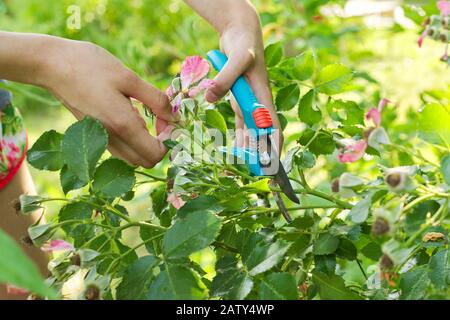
<point x="225" y="247"/>
<point x="148" y="175"/>
<point x="120" y="257"/>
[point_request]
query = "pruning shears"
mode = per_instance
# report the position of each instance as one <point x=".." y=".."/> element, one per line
<point x="262" y="156"/>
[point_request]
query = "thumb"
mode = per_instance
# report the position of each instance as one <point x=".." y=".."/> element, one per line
<point x="238" y="62"/>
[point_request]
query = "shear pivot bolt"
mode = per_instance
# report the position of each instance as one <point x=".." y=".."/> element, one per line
<point x="264" y="158"/>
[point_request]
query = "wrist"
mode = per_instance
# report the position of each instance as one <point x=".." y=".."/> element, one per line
<point x="245" y="18"/>
<point x="50" y="60"/>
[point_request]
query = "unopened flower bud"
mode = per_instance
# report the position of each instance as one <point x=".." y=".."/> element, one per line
<point x="394" y="179"/>
<point x="386" y="263"/>
<point x="27" y="240"/>
<point x="335" y="185"/>
<point x="400" y="178"/>
<point x="380" y="227"/>
<point x="16" y="205"/>
<point x="29" y="204"/>
<point x="426" y="22"/>
<point x="92" y="292"/>
<point x="75" y="260"/>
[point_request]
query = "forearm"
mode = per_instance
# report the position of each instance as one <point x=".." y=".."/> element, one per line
<point x="223" y="13"/>
<point x="23" y="57"/>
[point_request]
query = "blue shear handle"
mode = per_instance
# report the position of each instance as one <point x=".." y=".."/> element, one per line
<point x="240" y="89"/>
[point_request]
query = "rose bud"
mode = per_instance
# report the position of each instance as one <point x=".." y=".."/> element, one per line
<point x="386" y="263"/>
<point x="92" y="292"/>
<point x="335" y="185"/>
<point x="380" y="227"/>
<point x="400" y="179"/>
<point x="75" y="260"/>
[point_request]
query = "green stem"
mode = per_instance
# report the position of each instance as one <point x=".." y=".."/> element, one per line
<point x="120" y="257"/>
<point x="225" y="247"/>
<point x="148" y="175"/>
<point x="140" y="224"/>
<point x="239" y="173"/>
<point x="427" y="224"/>
<point x="342" y="204"/>
<point x="417" y="201"/>
<point x="361" y="268"/>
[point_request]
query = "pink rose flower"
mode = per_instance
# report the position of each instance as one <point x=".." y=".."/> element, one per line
<point x="444" y="7"/>
<point x="374" y="114"/>
<point x="193" y="70"/>
<point x="176" y="200"/>
<point x="352" y="151"/>
<point x="202" y="86"/>
<point x="421" y="38"/>
<point x="57" y="245"/>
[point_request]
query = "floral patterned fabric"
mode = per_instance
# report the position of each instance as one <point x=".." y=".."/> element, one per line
<point x="13" y="139"/>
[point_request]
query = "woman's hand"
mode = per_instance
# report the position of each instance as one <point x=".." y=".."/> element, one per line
<point x="241" y="40"/>
<point x="90" y="81"/>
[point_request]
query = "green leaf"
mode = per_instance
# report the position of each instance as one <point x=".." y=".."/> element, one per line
<point x="191" y="233"/>
<point x="416" y="217"/>
<point x="69" y="181"/>
<point x="82" y="146"/>
<point x="18" y="270"/>
<point x="114" y="178"/>
<point x="215" y="120"/>
<point x="299" y="244"/>
<point x="305" y="160"/>
<point x="372" y="251"/>
<point x="360" y="211"/>
<point x="325" y="263"/>
<point x="346" y="250"/>
<point x="326" y="243"/>
<point x="202" y="203"/>
<point x="307" y="111"/>
<point x="136" y="279"/>
<point x="333" y="79"/>
<point x="230" y="281"/>
<point x="260" y="186"/>
<point x="322" y="143"/>
<point x="300" y="67"/>
<point x="176" y="282"/>
<point x="287" y="97"/>
<point x="159" y="200"/>
<point x="260" y="255"/>
<point x="40" y="233"/>
<point x="78" y="231"/>
<point x="433" y="124"/>
<point x="348" y="112"/>
<point x="445" y="168"/>
<point x="283" y="121"/>
<point x="414" y="283"/>
<point x="440" y="269"/>
<point x="278" y="286"/>
<point x="273" y="54"/>
<point x="29" y="204"/>
<point x="46" y="152"/>
<point x="332" y="287"/>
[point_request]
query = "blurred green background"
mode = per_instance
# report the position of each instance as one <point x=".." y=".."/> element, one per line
<point x="375" y="38"/>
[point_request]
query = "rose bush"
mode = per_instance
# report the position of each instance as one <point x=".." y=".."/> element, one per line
<point x="374" y="226"/>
